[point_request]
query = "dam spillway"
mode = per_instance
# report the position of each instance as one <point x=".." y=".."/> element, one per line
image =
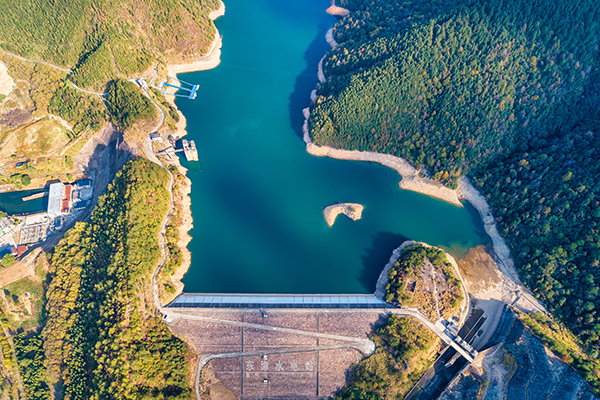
<point x="277" y="301"/>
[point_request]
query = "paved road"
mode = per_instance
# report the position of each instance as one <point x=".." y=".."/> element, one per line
<point x="88" y="91"/>
<point x="365" y="346"/>
<point x="69" y="71"/>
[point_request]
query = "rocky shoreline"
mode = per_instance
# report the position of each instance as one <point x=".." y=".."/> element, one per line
<point x="383" y="278"/>
<point x="412" y="181"/>
<point x="351" y="210"/>
<point x="335" y="10"/>
<point x="184" y="203"/>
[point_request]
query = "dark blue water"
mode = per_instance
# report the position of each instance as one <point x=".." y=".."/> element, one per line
<point x="257" y="202"/>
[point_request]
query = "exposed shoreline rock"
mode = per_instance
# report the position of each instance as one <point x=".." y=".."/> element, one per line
<point x="209" y="61"/>
<point x="329" y="37"/>
<point x="335" y="10"/>
<point x="410" y="179"/>
<point x="522" y="297"/>
<point x="351" y="210"/>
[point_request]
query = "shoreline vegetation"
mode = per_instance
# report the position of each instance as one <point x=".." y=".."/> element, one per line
<point x="351" y="210"/>
<point x="411" y="180"/>
<point x="209" y="61"/>
<point x="464" y="308"/>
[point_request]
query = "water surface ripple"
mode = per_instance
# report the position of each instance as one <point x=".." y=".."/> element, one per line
<point x="257" y="203"/>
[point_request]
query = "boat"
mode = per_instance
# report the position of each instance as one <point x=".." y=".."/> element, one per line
<point x="189" y="148"/>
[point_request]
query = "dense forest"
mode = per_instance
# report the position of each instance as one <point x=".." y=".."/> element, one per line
<point x="456" y="84"/>
<point x="507" y="92"/>
<point x="102" y="338"/>
<point x="127" y="104"/>
<point x="103" y="39"/>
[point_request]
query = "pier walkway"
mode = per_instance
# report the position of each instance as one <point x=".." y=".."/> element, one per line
<point x="277" y="301"/>
<point x="187" y="304"/>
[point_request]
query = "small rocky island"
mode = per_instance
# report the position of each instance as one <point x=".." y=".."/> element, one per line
<point x="351" y="210"/>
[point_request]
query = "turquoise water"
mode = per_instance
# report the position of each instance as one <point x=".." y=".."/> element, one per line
<point x="257" y="201"/>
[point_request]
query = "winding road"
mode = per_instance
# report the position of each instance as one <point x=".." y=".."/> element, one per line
<point x="68" y="71"/>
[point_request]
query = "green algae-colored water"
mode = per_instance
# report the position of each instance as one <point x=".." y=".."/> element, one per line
<point x="257" y="203"/>
<point x="12" y="202"/>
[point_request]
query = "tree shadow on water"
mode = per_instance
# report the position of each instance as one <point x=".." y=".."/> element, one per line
<point x="307" y="81"/>
<point x="377" y="256"/>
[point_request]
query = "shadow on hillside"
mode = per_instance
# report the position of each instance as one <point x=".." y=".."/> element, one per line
<point x="377" y="256"/>
<point x="308" y="79"/>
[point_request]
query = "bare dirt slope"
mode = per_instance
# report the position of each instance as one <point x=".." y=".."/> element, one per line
<point x="19" y="270"/>
<point x="6" y="82"/>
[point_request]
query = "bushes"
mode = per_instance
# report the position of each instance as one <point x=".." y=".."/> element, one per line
<point x="7" y="260"/>
<point x="84" y="112"/>
<point x="127" y="105"/>
<point x="68" y="32"/>
<point x="95" y="69"/>
<point x="30" y="358"/>
<point x="25" y="180"/>
<point x="404" y="352"/>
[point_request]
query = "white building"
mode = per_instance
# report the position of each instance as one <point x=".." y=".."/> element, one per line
<point x="55" y="198"/>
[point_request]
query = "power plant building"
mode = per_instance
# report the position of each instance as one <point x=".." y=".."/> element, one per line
<point x="55" y="198"/>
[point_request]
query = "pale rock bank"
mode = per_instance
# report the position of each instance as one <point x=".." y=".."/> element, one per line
<point x="520" y="296"/>
<point x="351" y="210"/>
<point x="210" y="60"/>
<point x="410" y="175"/>
<point x="335" y="10"/>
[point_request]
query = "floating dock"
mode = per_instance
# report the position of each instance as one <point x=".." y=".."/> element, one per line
<point x="189" y="148"/>
<point x="35" y="196"/>
<point x="184" y="86"/>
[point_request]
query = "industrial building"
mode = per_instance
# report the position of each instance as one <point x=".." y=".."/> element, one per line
<point x="55" y="198"/>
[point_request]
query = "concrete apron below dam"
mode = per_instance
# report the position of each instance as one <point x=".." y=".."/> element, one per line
<point x="276" y="351"/>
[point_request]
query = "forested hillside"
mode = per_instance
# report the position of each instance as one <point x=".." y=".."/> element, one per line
<point x="405" y="350"/>
<point x="102" y="338"/>
<point x="547" y="201"/>
<point x="456" y="83"/>
<point x="103" y="39"/>
<point x="507" y="92"/>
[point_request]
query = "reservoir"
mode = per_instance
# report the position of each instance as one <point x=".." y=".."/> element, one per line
<point x="258" y="200"/>
<point x="12" y="202"/>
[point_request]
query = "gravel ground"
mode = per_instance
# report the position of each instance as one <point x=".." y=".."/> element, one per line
<point x="305" y="322"/>
<point x="259" y="337"/>
<point x="200" y="332"/>
<point x="289" y="376"/>
<point x="333" y="369"/>
<point x="354" y="325"/>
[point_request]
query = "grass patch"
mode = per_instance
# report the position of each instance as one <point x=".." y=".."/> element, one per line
<point x="22" y="296"/>
<point x="405" y="350"/>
